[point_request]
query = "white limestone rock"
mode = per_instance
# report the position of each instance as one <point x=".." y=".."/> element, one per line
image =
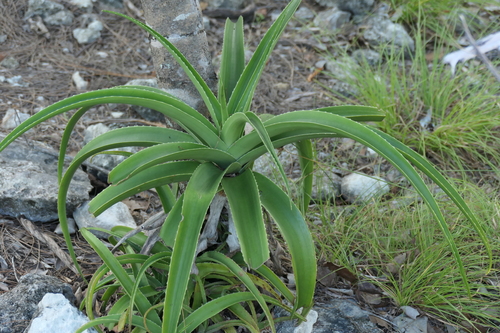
<point x="360" y="188"/>
<point x="116" y="215"/>
<point x="13" y="118"/>
<point x="89" y="34"/>
<point x="56" y="314"/>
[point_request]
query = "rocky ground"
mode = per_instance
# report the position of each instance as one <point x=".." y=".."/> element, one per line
<point x="42" y="62"/>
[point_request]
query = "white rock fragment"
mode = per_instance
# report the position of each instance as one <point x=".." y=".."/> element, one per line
<point x="89" y="34"/>
<point x="71" y="227"/>
<point x="79" y="82"/>
<point x="408" y="325"/>
<point x="410" y="312"/>
<point x="102" y="54"/>
<point x="486" y="44"/>
<point x="360" y="188"/>
<point x="13" y="118"/>
<point x="117" y="114"/>
<point x="17" y="81"/>
<point x="56" y="314"/>
<point x="82" y="3"/>
<point x="307" y="326"/>
<point x="116" y="215"/>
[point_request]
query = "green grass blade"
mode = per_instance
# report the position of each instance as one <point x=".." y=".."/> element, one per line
<point x="208" y="96"/>
<point x="421" y="163"/>
<point x="243" y="196"/>
<point x="297" y="236"/>
<point x="158" y="175"/>
<point x="199" y="193"/>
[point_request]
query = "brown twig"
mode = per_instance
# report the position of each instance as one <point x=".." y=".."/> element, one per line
<point x="51" y="244"/>
<point x="481" y="55"/>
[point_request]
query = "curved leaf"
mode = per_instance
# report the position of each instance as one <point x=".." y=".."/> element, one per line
<point x="137" y="321"/>
<point x="318" y="121"/>
<point x="233" y="128"/>
<point x="142" y="303"/>
<point x="422" y="164"/>
<point x="243" y="93"/>
<point x="65" y="140"/>
<point x="245" y="279"/>
<point x="199" y="193"/>
<point x="167" y="152"/>
<point x="276" y="282"/>
<point x="297" y="236"/>
<point x="306" y="156"/>
<point x="243" y="196"/>
<point x="155" y="176"/>
<point x="210" y="309"/>
<point x="233" y="58"/>
<point x="356" y="112"/>
<point x="187" y="117"/>
<point x="169" y="228"/>
<point x="209" y="98"/>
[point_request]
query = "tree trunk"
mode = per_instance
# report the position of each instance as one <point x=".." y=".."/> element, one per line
<point x="181" y="22"/>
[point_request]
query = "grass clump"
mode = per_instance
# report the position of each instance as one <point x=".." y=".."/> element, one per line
<point x="401" y="250"/>
<point x="452" y="119"/>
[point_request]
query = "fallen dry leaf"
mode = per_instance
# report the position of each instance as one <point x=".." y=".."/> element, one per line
<point x="342" y="272"/>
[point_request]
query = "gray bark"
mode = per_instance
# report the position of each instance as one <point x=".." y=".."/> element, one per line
<point x="181" y="22"/>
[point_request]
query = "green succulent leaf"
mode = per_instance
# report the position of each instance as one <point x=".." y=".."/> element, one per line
<point x="245" y="279"/>
<point x="65" y="140"/>
<point x="306" y="160"/>
<point x="356" y="112"/>
<point x="189" y="119"/>
<point x="233" y="57"/>
<point x="150" y="178"/>
<point x="199" y="193"/>
<point x="137" y="321"/>
<point x="242" y="95"/>
<point x="243" y="196"/>
<point x="169" y="228"/>
<point x="167" y="152"/>
<point x="297" y="236"/>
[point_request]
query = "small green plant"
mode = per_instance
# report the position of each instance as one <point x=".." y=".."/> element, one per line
<point x="156" y="293"/>
<point x="463" y="121"/>
<point x="400" y="249"/>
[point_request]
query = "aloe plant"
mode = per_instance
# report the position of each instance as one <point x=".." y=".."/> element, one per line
<point x="214" y="155"/>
